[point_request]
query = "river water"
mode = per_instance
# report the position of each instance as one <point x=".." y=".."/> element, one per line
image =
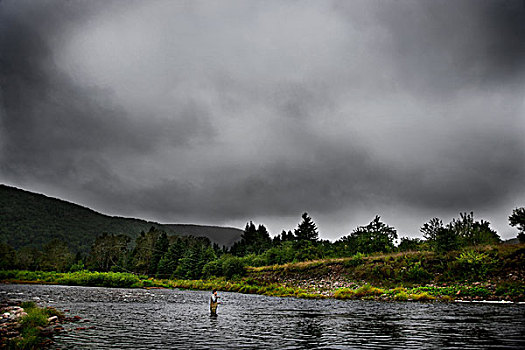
<point x="115" y="318"/>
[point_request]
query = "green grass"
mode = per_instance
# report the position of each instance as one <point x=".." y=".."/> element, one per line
<point x="344" y="293"/>
<point x="401" y="296"/>
<point x="425" y="296"/>
<point x="30" y="326"/>
<point x="36" y="317"/>
<point x="364" y="292"/>
<point x="367" y="290"/>
<point x="78" y="278"/>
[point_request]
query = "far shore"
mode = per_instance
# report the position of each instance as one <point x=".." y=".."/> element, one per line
<point x="310" y="289"/>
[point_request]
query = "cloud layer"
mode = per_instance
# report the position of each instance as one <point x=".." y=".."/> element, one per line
<point x="222" y="113"/>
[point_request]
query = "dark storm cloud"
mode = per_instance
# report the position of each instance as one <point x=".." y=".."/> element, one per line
<point x="439" y="47"/>
<point x="325" y="183"/>
<point x="472" y="179"/>
<point x="54" y="128"/>
<point x="506" y="23"/>
<point x="193" y="111"/>
<point x="481" y="174"/>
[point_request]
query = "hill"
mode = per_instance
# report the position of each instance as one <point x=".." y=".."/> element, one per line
<point x="32" y="219"/>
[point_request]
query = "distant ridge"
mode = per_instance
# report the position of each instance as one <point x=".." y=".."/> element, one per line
<point x="32" y="219"/>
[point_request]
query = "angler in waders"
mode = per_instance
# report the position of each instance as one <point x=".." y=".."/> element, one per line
<point x="214" y="301"/>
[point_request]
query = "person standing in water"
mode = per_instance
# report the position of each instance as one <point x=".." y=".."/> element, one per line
<point x="214" y="301"/>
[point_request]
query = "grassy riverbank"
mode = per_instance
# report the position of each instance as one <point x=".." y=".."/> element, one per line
<point x="485" y="273"/>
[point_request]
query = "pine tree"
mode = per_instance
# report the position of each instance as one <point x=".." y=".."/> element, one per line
<point x="518" y="219"/>
<point x="159" y="249"/>
<point x="307" y="230"/>
<point x="170" y="261"/>
<point x="253" y="241"/>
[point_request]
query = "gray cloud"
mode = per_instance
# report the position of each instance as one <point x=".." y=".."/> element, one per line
<point x="56" y="128"/>
<point x="223" y="113"/>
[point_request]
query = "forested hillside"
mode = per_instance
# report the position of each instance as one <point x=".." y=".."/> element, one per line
<point x="31" y="219"/>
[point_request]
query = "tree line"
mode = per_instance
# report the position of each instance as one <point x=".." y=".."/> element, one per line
<point x="155" y="253"/>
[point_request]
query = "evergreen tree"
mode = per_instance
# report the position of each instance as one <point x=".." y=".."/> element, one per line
<point x="517" y="219"/>
<point x="217" y="250"/>
<point x="287" y="236"/>
<point x="263" y="241"/>
<point x="253" y="241"/>
<point x="159" y="249"/>
<point x="306" y="230"/>
<point x="197" y="254"/>
<point x="276" y="240"/>
<point x="170" y="261"/>
<point x="188" y="264"/>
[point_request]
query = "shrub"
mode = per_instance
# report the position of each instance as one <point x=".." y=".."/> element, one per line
<point x="77" y="267"/>
<point x="281" y="254"/>
<point x="212" y="268"/>
<point x="147" y="283"/>
<point x="416" y="273"/>
<point x="476" y="291"/>
<point x="511" y="289"/>
<point x="433" y="290"/>
<point x="356" y="260"/>
<point x="127" y="280"/>
<point x="255" y="260"/>
<point x="233" y="266"/>
<point x="7" y="274"/>
<point x="474" y="265"/>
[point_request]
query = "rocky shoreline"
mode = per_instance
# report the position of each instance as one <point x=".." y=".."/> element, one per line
<point x="15" y="325"/>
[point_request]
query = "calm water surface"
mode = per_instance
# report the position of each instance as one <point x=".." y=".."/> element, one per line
<point x="175" y="319"/>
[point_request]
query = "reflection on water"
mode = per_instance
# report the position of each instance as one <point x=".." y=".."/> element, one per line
<point x="170" y="319"/>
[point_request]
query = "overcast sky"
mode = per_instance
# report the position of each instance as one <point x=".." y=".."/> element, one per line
<point x="221" y="112"/>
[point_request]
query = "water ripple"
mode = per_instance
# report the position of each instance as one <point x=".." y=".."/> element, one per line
<point x="163" y="319"/>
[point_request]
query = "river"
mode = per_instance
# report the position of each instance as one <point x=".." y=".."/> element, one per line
<point x="118" y="318"/>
